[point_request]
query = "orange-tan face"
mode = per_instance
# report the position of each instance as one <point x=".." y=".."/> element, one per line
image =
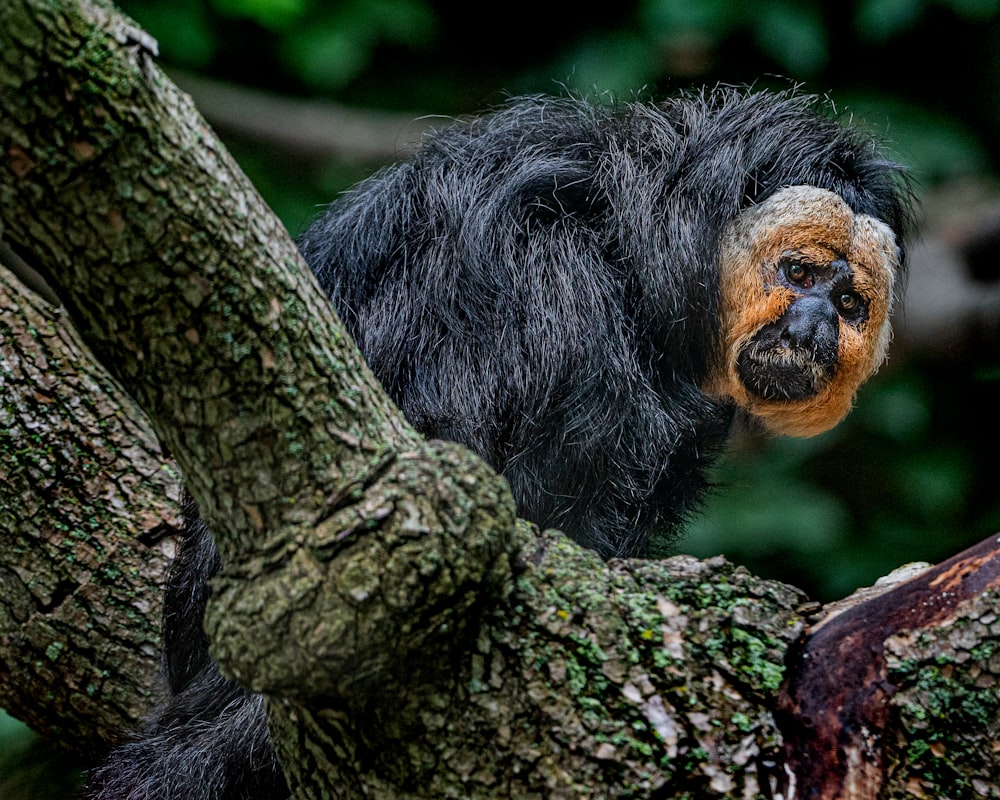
<point x="807" y="288"/>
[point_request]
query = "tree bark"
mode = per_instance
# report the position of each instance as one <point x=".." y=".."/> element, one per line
<point x="88" y="503"/>
<point x="412" y="639"/>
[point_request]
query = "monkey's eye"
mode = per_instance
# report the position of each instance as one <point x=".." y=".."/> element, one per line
<point x="799" y="274"/>
<point x="849" y="304"/>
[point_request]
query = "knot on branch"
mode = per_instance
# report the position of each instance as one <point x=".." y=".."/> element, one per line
<point x="402" y="564"/>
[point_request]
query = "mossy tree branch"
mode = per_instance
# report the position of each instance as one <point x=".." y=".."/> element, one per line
<point x="89" y="505"/>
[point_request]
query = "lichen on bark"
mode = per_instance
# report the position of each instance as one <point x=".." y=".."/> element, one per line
<point x="412" y="639"/>
<point x="580" y="680"/>
<point x="89" y="504"/>
<point x="947" y="682"/>
<point x="402" y="567"/>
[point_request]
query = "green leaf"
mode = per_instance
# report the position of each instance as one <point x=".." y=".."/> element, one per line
<point x="334" y="49"/>
<point x="616" y="62"/>
<point x="181" y="27"/>
<point x="878" y="20"/>
<point x="712" y="17"/>
<point x="408" y="22"/>
<point x="764" y="514"/>
<point x="935" y="146"/>
<point x="898" y="410"/>
<point x="976" y="10"/>
<point x="934" y="482"/>
<point x="328" y="57"/>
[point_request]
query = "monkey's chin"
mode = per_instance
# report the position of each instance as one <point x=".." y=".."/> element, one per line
<point x="776" y="376"/>
<point x="789" y="393"/>
<point x="802" y="417"/>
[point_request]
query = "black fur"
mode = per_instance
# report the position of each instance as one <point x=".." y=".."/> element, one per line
<point x="541" y="285"/>
<point x="209" y="740"/>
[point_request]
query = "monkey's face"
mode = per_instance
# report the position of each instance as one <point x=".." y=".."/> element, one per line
<point x="807" y="290"/>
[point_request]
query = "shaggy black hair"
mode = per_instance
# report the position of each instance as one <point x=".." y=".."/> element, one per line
<point x="540" y="284"/>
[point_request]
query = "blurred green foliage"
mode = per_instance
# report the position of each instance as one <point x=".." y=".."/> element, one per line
<point x="30" y="769"/>
<point x="924" y="73"/>
<point x="907" y="476"/>
<point x="901" y="479"/>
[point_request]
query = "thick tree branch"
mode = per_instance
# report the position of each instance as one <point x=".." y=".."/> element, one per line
<point x="272" y="415"/>
<point x="131" y="259"/>
<point x="838" y="700"/>
<point x="88" y="506"/>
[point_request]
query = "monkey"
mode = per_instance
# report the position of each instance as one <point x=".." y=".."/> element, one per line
<point x="553" y="301"/>
<point x="589" y="296"/>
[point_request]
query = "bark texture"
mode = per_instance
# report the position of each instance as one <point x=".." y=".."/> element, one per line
<point x="865" y="698"/>
<point x="635" y="679"/>
<point x="88" y="503"/>
<point x="413" y="640"/>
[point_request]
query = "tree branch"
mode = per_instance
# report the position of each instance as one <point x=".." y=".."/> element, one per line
<point x="306" y="128"/>
<point x="277" y="424"/>
<point x="840" y="697"/>
<point x="88" y="508"/>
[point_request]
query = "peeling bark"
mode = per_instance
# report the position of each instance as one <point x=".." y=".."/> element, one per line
<point x="842" y="701"/>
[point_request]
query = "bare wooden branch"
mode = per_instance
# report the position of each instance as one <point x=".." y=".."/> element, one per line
<point x="306" y="128"/>
<point x="840" y="700"/>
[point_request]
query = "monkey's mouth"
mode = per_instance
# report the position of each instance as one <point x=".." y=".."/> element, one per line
<point x="776" y="372"/>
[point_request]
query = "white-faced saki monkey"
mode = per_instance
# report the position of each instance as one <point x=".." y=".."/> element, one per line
<point x="585" y="295"/>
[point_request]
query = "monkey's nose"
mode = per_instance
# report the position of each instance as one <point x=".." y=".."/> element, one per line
<point x="810" y="322"/>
